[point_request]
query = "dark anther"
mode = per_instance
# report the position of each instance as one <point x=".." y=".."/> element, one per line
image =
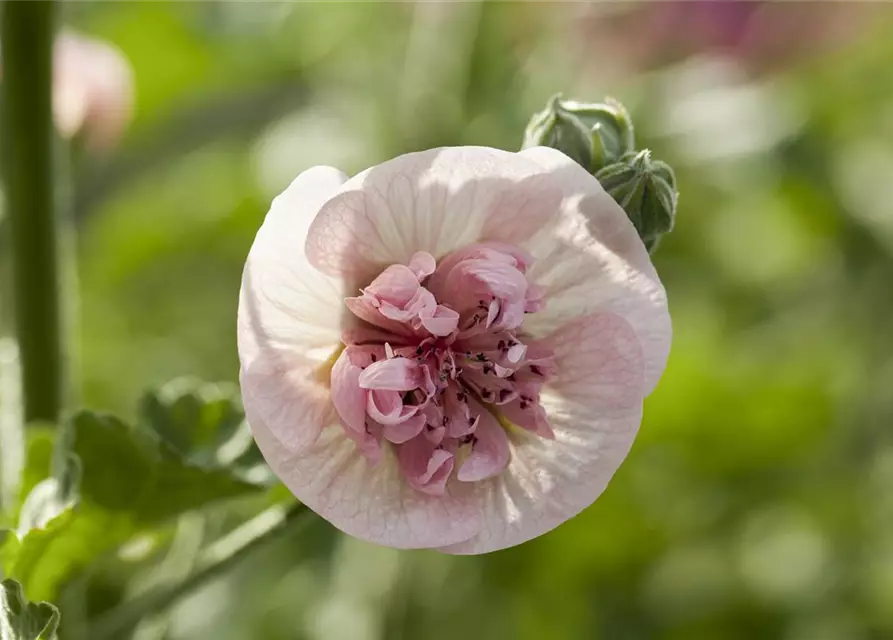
<point x="485" y="394"/>
<point x="511" y="377"/>
<point x="418" y="350"/>
<point x="481" y="357"/>
<point x="501" y="345"/>
<point x="374" y="357"/>
<point x="445" y="421"/>
<point x="535" y="370"/>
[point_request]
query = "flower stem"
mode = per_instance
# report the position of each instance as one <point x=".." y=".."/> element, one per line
<point x="28" y="163"/>
<point x="217" y="559"/>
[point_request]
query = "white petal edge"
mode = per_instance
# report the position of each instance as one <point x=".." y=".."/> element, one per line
<point x="594" y="406"/>
<point x="284" y="303"/>
<point x="591" y="259"/>
<point x="435" y="201"/>
<point x="548" y="482"/>
<point x="289" y="315"/>
<point x="371" y="502"/>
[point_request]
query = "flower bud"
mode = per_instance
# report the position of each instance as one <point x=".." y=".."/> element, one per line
<point x="611" y="129"/>
<point x="592" y="134"/>
<point x="558" y="128"/>
<point x="646" y="189"/>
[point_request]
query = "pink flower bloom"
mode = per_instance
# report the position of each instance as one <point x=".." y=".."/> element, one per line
<point x="92" y="89"/>
<point x="450" y="349"/>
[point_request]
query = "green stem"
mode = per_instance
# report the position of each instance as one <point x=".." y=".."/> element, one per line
<point x="27" y="53"/>
<point x="217" y="559"/>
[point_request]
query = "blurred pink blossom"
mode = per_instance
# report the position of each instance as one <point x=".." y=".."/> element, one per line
<point x="762" y="35"/>
<point x="92" y="89"/>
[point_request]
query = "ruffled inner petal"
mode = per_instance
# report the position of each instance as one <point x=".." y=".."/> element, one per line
<point x="458" y="361"/>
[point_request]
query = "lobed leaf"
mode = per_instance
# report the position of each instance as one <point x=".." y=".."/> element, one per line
<point x="130" y="481"/>
<point x="23" y="620"/>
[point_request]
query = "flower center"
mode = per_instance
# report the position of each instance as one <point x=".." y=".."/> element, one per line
<point x="439" y="360"/>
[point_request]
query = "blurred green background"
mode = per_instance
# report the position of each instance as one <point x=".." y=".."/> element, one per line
<point x="758" y="498"/>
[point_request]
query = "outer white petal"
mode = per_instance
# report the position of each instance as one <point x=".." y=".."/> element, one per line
<point x="592" y="260"/>
<point x="289" y="315"/>
<point x="434" y="201"/>
<point x="594" y="407"/>
<point x="290" y="319"/>
<point x="371" y="502"/>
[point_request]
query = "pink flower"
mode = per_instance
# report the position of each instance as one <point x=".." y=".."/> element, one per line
<point x="450" y="349"/>
<point x="92" y="89"/>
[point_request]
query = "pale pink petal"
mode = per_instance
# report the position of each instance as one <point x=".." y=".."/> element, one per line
<point x="433" y="201"/>
<point x="549" y="481"/>
<point x="397" y="285"/>
<point x="284" y="302"/>
<point x="591" y="260"/>
<point x="532" y="417"/>
<point x="386" y="407"/>
<point x="599" y="362"/>
<point x="403" y="431"/>
<point x="422" y="264"/>
<point x="489" y="450"/>
<point x="366" y="308"/>
<point x="347" y="396"/>
<point x="289" y="318"/>
<point x="516" y="352"/>
<point x="426" y="466"/>
<point x="436" y="434"/>
<point x="368" y="441"/>
<point x="373" y="502"/>
<point x="92" y="89"/>
<point x="442" y="322"/>
<point x="394" y="374"/>
<point x="276" y="391"/>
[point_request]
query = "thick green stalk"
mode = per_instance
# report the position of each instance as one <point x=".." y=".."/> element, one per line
<point x="215" y="561"/>
<point x="28" y="163"/>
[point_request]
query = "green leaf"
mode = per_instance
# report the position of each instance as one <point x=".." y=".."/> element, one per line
<point x="131" y="482"/>
<point x="206" y="423"/>
<point x="9" y="547"/>
<point x="40" y="447"/>
<point x="130" y="470"/>
<point x="23" y="620"/>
